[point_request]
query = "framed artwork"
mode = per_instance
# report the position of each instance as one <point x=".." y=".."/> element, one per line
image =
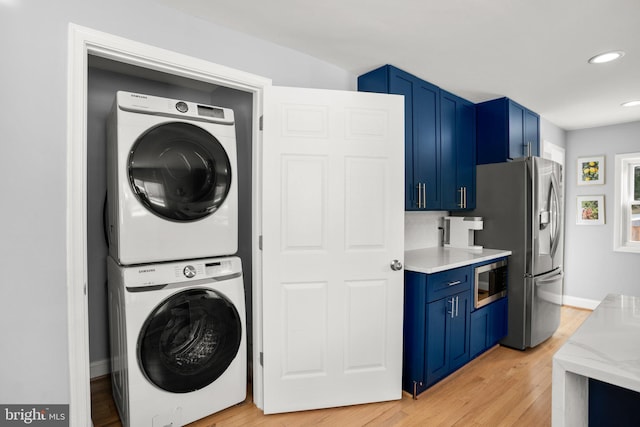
<point x="590" y="170"/>
<point x="590" y="210"/>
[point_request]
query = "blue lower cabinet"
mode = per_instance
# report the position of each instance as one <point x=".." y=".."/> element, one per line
<point x="436" y="360"/>
<point x="436" y="327"/>
<point x="488" y="327"/>
<point x="458" y="325"/>
<point x="442" y="330"/>
<point x="610" y="405"/>
<point x="447" y="339"/>
<point x="497" y="321"/>
<point x="415" y="291"/>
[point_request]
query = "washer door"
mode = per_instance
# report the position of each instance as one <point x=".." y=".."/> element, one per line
<point x="189" y="340"/>
<point x="179" y="171"/>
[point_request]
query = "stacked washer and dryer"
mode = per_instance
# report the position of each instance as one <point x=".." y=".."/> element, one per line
<point x="176" y="295"/>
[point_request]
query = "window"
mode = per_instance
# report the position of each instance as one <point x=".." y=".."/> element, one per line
<point x="627" y="207"/>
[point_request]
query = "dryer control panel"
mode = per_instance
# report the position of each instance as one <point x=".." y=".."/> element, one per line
<point x="148" y="104"/>
<point x="163" y="274"/>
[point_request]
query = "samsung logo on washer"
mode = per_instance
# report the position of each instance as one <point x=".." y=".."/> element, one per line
<point x="146" y="270"/>
<point x="135" y="95"/>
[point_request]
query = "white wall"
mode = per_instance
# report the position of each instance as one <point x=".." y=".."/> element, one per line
<point x="592" y="268"/>
<point x="33" y="42"/>
<point x="551" y="133"/>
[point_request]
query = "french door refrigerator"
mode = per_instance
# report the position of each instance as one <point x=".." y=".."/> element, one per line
<point x="521" y="204"/>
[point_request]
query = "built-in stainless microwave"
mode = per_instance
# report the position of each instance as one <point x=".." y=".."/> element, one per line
<point x="490" y="283"/>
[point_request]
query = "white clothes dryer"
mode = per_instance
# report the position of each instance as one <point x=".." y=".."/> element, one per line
<point x="178" y="340"/>
<point x="171" y="185"/>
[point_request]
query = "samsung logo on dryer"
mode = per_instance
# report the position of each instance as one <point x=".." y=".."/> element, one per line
<point x="135" y="95"/>
<point x="146" y="270"/>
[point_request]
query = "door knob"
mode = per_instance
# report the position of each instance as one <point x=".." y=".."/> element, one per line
<point x="396" y="265"/>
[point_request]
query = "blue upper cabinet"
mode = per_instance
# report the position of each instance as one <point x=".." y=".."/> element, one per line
<point x="505" y="131"/>
<point x="458" y="152"/>
<point x="422" y="132"/>
<point x="430" y="174"/>
<point x="425" y="148"/>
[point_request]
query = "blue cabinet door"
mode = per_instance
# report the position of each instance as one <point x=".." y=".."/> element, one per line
<point x="437" y="355"/>
<point x="422" y="132"/>
<point x="531" y="132"/>
<point x="478" y="331"/>
<point x="414" y="332"/>
<point x="458" y="152"/>
<point x="447" y="339"/>
<point x="449" y="150"/>
<point x="459" y="331"/>
<point x="426" y="145"/>
<point x="498" y="322"/>
<point x="466" y="156"/>
<point x="401" y="84"/>
<point x="488" y="326"/>
<point x="515" y="120"/>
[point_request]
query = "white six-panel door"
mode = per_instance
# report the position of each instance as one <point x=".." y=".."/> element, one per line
<point x="332" y="224"/>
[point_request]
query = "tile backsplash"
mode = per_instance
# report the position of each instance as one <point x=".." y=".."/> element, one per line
<point x="421" y="229"/>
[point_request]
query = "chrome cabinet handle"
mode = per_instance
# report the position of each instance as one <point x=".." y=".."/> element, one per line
<point x="424" y="195"/>
<point x="463" y="197"/>
<point x="457" y="298"/>
<point x="457" y="282"/>
<point x="452" y="312"/>
<point x="396" y="265"/>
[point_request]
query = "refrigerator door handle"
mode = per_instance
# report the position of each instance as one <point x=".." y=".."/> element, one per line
<point x="553" y="278"/>
<point x="554" y="207"/>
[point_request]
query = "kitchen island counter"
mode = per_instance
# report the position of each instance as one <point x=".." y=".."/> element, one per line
<point x="436" y="259"/>
<point x="606" y="348"/>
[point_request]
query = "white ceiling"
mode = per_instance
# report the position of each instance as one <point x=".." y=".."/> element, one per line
<point x="533" y="51"/>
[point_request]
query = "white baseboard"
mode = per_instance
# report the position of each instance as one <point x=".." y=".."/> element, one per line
<point x="100" y="368"/>
<point x="580" y="302"/>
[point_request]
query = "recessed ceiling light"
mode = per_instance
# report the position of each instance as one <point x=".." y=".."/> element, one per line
<point x="606" y="57"/>
<point x="632" y="103"/>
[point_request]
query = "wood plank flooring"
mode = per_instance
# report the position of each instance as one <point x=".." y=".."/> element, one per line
<point x="503" y="387"/>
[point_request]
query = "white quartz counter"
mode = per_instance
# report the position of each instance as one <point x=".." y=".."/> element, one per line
<point x="606" y="347"/>
<point x="433" y="260"/>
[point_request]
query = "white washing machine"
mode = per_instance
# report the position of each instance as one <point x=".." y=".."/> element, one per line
<point x="178" y="340"/>
<point x="171" y="185"/>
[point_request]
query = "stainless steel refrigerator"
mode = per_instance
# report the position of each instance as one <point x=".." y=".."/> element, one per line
<point x="521" y="204"/>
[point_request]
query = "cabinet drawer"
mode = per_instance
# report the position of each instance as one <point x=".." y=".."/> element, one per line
<point x="448" y="282"/>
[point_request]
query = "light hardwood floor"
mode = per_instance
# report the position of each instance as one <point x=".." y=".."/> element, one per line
<point x="503" y="387"/>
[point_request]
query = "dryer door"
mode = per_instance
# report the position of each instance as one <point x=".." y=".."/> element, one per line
<point x="179" y="171"/>
<point x="189" y="340"/>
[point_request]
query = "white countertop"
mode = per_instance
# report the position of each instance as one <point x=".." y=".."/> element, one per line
<point x="433" y="260"/>
<point x="606" y="347"/>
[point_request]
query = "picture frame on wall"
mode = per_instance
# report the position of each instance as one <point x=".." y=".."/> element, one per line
<point x="591" y="170"/>
<point x="590" y="210"/>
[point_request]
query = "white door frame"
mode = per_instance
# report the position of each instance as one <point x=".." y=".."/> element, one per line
<point x="83" y="42"/>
